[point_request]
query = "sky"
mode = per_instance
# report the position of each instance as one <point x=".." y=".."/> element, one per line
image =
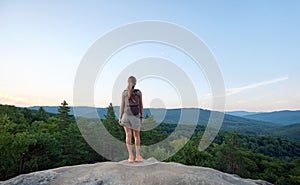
<point x="255" y="43"/>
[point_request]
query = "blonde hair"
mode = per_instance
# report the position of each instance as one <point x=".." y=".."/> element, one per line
<point x="130" y="86"/>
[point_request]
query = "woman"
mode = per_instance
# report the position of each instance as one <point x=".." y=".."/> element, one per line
<point x="131" y="116"/>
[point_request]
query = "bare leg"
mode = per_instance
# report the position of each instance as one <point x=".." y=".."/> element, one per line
<point x="128" y="143"/>
<point x="137" y="141"/>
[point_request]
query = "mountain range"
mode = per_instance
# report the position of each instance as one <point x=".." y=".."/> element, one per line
<point x="241" y="113"/>
<point x="285" y="124"/>
<point x="284" y="117"/>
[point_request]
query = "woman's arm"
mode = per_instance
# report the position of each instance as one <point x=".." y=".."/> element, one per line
<point x="122" y="107"/>
<point x="141" y="105"/>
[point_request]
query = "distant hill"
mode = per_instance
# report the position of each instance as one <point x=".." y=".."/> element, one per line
<point x="285" y="117"/>
<point x="84" y="111"/>
<point x="241" y="113"/>
<point x="242" y="125"/>
<point x="291" y="132"/>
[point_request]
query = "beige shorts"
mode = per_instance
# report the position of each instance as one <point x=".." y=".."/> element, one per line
<point x="131" y="121"/>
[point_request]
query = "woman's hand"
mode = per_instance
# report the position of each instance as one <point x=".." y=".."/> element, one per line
<point x="120" y="121"/>
<point x="141" y="120"/>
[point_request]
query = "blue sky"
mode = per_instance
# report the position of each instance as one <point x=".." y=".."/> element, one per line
<point x="256" y="44"/>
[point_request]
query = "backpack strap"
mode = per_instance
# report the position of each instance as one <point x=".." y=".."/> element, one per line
<point x="125" y="92"/>
<point x="137" y="92"/>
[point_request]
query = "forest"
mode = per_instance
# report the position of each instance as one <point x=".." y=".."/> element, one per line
<point x="34" y="140"/>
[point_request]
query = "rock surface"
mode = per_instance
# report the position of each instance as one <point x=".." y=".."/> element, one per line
<point x="149" y="171"/>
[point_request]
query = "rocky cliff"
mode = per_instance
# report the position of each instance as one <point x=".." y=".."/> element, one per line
<point x="149" y="171"/>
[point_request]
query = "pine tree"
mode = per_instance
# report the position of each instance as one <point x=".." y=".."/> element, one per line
<point x="111" y="124"/>
<point x="110" y="114"/>
<point x="42" y="115"/>
<point x="231" y="145"/>
<point x="63" y="115"/>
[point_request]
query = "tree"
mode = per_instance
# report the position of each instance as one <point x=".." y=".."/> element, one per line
<point x="110" y="114"/>
<point x="112" y="126"/>
<point x="13" y="143"/>
<point x="63" y="115"/>
<point x="111" y="123"/>
<point x="74" y="150"/>
<point x="42" y="115"/>
<point x="29" y="115"/>
<point x="149" y="123"/>
<point x="231" y="144"/>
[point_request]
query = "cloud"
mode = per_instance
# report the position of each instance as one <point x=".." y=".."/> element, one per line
<point x="6" y="98"/>
<point x="232" y="91"/>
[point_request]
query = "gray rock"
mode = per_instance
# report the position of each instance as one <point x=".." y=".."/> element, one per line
<point x="149" y="171"/>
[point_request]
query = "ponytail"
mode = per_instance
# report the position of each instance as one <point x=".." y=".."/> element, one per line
<point x="130" y="87"/>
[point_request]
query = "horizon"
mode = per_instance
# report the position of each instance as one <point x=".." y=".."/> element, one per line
<point x="161" y="108"/>
<point x="255" y="45"/>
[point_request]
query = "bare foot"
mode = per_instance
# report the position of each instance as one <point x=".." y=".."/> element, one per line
<point x="138" y="158"/>
<point x="130" y="159"/>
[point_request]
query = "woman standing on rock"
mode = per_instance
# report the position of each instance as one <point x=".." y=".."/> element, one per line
<point x="131" y="117"/>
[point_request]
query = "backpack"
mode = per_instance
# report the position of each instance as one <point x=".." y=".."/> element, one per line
<point x="132" y="105"/>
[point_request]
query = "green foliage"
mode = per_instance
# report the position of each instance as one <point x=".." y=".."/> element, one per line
<point x="63" y="115"/>
<point x="290" y="132"/>
<point x="111" y="124"/>
<point x="110" y="114"/>
<point x="14" y="113"/>
<point x="50" y="141"/>
<point x="41" y="138"/>
<point x="73" y="145"/>
<point x="150" y="134"/>
<point x="44" y="154"/>
<point x="258" y="157"/>
<point x="13" y="142"/>
<point x="42" y="115"/>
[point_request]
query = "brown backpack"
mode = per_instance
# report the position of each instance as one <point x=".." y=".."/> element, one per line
<point x="132" y="105"/>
